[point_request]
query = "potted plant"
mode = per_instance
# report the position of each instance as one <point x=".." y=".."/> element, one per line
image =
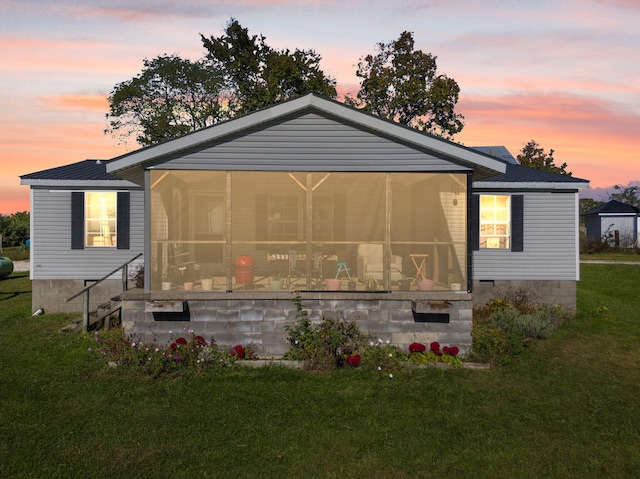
<point x="454" y="282"/>
<point x="405" y="284"/>
<point x="425" y="284"/>
<point x="371" y="284"/>
<point x="333" y="284"/>
<point x="275" y="280"/>
<point x="206" y="280"/>
<point x="166" y="283"/>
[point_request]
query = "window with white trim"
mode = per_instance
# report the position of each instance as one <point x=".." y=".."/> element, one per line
<point x="100" y="217"/>
<point x="495" y="221"/>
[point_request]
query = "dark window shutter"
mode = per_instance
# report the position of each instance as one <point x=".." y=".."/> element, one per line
<point x="474" y="222"/>
<point x="124" y="219"/>
<point x="517" y="223"/>
<point x="77" y="220"/>
<point x="262" y="218"/>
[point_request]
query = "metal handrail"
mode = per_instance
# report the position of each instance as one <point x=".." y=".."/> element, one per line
<point x="85" y="300"/>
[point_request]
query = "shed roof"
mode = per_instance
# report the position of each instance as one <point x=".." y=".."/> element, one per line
<point x="613" y="207"/>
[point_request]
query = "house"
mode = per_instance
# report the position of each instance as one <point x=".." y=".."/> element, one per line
<point x="416" y="228"/>
<point x="615" y="222"/>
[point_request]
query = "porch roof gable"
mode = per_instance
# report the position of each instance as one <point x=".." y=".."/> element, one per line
<point x="484" y="165"/>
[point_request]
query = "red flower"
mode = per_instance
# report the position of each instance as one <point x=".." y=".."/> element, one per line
<point x="181" y="341"/>
<point x="237" y="351"/>
<point x="452" y="350"/>
<point x="199" y="340"/>
<point x="435" y="347"/>
<point x="173" y="345"/>
<point x="353" y="360"/>
<point x="417" y="348"/>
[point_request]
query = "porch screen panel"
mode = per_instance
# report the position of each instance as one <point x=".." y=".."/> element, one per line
<point x="429" y="226"/>
<point x="349" y="211"/>
<point x="268" y="234"/>
<point x="187" y="227"/>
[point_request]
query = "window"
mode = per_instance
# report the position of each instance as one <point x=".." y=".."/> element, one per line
<point x="495" y="221"/>
<point x="100" y="219"/>
<point x="287" y="218"/>
<point x="100" y="216"/>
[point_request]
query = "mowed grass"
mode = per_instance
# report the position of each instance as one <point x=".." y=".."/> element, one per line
<point x="567" y="407"/>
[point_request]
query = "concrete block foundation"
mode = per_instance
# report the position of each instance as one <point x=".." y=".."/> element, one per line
<point x="262" y="318"/>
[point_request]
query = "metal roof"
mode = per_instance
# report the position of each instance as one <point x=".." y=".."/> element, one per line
<point x="95" y="170"/>
<point x="521" y="174"/>
<point x="497" y="152"/>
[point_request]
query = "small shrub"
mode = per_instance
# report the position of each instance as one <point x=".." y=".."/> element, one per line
<point x="182" y="356"/>
<point x="541" y="323"/>
<point x="492" y="344"/>
<point x="502" y="327"/>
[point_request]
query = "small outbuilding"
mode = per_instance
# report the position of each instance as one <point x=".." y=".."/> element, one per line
<point x="614" y="222"/>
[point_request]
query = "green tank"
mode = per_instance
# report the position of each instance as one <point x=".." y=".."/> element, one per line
<point x="6" y="266"/>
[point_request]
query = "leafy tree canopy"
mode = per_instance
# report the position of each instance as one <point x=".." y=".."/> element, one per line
<point x="403" y="85"/>
<point x="257" y="76"/>
<point x="14" y="228"/>
<point x="170" y="97"/>
<point x="587" y="204"/>
<point x="533" y="156"/>
<point x="626" y="194"/>
<point x="239" y="73"/>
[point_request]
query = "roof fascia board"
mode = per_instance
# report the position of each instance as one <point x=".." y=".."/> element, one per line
<point x="80" y="183"/>
<point x="455" y="152"/>
<point x="496" y="185"/>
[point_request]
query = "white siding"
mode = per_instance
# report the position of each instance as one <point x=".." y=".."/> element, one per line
<point x="51" y="253"/>
<point x="550" y="243"/>
<point x="310" y="142"/>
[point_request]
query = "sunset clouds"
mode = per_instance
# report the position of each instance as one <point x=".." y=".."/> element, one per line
<point x="562" y="72"/>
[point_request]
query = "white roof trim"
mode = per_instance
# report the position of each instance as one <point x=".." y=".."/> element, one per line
<point x="530" y="185"/>
<point x="80" y="183"/>
<point x="338" y="110"/>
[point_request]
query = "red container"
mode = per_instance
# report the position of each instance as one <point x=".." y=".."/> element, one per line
<point x="245" y="267"/>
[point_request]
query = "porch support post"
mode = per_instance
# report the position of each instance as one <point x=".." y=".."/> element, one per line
<point x="309" y="232"/>
<point x="386" y="255"/>
<point x="85" y="311"/>
<point x="125" y="277"/>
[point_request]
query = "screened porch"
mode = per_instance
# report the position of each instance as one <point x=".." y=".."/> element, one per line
<point x="248" y="230"/>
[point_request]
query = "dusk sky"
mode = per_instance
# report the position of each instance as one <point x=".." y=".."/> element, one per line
<point x="563" y="72"/>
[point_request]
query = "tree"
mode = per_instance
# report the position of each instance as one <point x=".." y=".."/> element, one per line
<point x="257" y="76"/>
<point x="14" y="228"/>
<point x="533" y="156"/>
<point x="170" y="97"/>
<point x="403" y="85"/>
<point x="626" y="194"/>
<point x="586" y="204"/>
<point x="239" y="74"/>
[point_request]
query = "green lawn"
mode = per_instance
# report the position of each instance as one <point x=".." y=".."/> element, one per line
<point x="567" y="407"/>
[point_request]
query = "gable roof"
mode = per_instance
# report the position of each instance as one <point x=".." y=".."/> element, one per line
<point x="483" y="165"/>
<point x="89" y="172"/>
<point x="613" y="207"/>
<point x="498" y="152"/>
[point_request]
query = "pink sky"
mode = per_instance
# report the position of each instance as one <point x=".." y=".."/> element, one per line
<point x="562" y="72"/>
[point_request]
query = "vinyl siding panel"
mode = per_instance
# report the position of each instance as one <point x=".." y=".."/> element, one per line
<point x="550" y="247"/>
<point x="310" y="142"/>
<point x="51" y="250"/>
